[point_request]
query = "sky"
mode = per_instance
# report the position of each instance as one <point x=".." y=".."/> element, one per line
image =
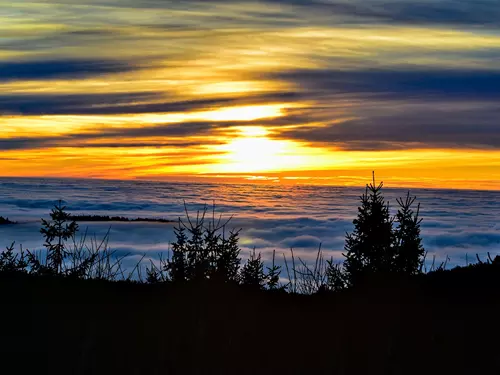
<point x="289" y="91"/>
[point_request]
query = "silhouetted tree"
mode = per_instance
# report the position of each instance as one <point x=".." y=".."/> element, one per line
<point x="202" y="250"/>
<point x="11" y="262"/>
<point x="369" y="248"/>
<point x="273" y="274"/>
<point x="197" y="256"/>
<point x="335" y="276"/>
<point x="227" y="261"/>
<point x="153" y="274"/>
<point x="177" y="265"/>
<point x="56" y="233"/>
<point x="409" y="249"/>
<point x="252" y="273"/>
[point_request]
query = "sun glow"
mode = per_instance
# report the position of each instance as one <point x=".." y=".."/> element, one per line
<point x="254" y="154"/>
<point x="253" y="151"/>
<point x="245" y="94"/>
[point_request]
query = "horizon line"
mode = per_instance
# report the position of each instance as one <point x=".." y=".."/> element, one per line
<point x="240" y="180"/>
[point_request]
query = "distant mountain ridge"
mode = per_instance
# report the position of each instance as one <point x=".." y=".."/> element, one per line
<point x="103" y="218"/>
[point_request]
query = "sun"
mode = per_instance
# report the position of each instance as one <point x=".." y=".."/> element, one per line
<point x="253" y="151"/>
<point x="255" y="154"/>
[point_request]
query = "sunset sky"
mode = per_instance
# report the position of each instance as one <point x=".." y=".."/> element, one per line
<point x="291" y="91"/>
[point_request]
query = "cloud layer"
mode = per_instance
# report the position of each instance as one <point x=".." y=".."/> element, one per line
<point x="456" y="223"/>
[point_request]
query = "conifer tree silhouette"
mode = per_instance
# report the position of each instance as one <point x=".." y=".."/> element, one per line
<point x="176" y="266"/>
<point x="227" y="261"/>
<point x="252" y="273"/>
<point x="409" y="249"/>
<point x="202" y="250"/>
<point x="335" y="276"/>
<point x="56" y="232"/>
<point x="273" y="274"/>
<point x="11" y="262"/>
<point x="196" y="253"/>
<point x="369" y="248"/>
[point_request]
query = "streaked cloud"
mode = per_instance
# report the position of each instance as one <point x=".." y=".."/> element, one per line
<point x="54" y="69"/>
<point x="330" y="85"/>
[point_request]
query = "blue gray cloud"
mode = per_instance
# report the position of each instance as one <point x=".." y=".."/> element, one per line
<point x="420" y="126"/>
<point x="124" y="103"/>
<point x="399" y="83"/>
<point x="60" y="68"/>
<point x="454" y="12"/>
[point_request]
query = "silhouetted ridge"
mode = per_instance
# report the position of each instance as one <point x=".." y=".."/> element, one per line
<point x="6" y="221"/>
<point x="104" y="218"/>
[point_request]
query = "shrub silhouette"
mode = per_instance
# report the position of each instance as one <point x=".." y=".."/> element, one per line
<point x="203" y="251"/>
<point x="335" y="276"/>
<point x="66" y="256"/>
<point x="252" y="274"/>
<point x="11" y="262"/>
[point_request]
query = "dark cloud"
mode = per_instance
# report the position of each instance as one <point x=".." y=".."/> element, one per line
<point x="154" y="143"/>
<point x="23" y="143"/>
<point x="169" y="130"/>
<point x="40" y="104"/>
<point x="127" y="103"/>
<point x="482" y="13"/>
<point x="463" y="83"/>
<point x="62" y="39"/>
<point x="81" y="140"/>
<point x="61" y="68"/>
<point x="400" y="109"/>
<point x="161" y="135"/>
<point x="450" y="12"/>
<point x="423" y="127"/>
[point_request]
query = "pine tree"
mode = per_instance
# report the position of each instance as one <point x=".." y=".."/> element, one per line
<point x="252" y="273"/>
<point x="369" y="248"/>
<point x="56" y="233"/>
<point x="273" y="274"/>
<point x="227" y="262"/>
<point x="201" y="251"/>
<point x="11" y="262"/>
<point x="335" y="277"/>
<point x="409" y="249"/>
<point x="198" y="261"/>
<point x="176" y="266"/>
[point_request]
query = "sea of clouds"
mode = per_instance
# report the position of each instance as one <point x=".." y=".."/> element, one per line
<point x="457" y="223"/>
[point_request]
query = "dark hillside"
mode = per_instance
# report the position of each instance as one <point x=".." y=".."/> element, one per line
<point x="430" y="324"/>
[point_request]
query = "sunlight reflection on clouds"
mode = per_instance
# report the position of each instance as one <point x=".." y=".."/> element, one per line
<point x="336" y="84"/>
